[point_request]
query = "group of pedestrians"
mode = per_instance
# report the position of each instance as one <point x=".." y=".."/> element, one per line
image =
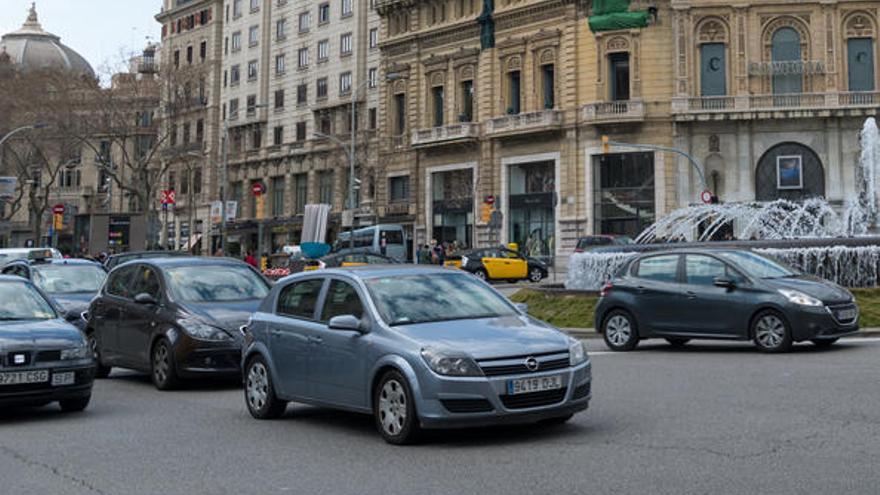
<point x="437" y="252"/>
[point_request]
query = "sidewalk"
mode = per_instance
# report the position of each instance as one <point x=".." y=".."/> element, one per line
<point x="590" y="333"/>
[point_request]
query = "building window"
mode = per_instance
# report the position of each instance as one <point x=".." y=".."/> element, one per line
<point x="372" y="118"/>
<point x="234" y="75"/>
<point x="255" y="5"/>
<point x="323" y="50"/>
<point x="200" y="130"/>
<point x="325" y="125"/>
<point x="172" y="135"/>
<point x="226" y="45"/>
<point x="548" y="85"/>
<point x="236" y="8"/>
<point x="279" y="98"/>
<point x="236" y="41"/>
<point x="278" y="135"/>
<point x="172" y="180"/>
<point x="346" y="8"/>
<point x="322" y="87"/>
<point x="279" y="64"/>
<point x="252" y="70"/>
<point x="618" y="64"/>
<point x="860" y="64"/>
<point x="257" y="138"/>
<point x="176" y="59"/>
<point x="513" y="92"/>
<point x="253" y="35"/>
<point x="302" y="94"/>
<point x="304" y="18"/>
<point x="623" y="193"/>
<point x="452" y="204"/>
<point x="281" y="29"/>
<point x="325" y="187"/>
<point x="203" y="51"/>
<point x="345" y="44"/>
<point x="278" y="196"/>
<point x="233" y="108"/>
<point x="301" y="187"/>
<point x="786" y="47"/>
<point x="303" y="58"/>
<point x="189" y="55"/>
<point x="400" y="114"/>
<point x="345" y="83"/>
<point x="323" y="13"/>
<point x="398" y="189"/>
<point x="186" y="133"/>
<point x="374" y="37"/>
<point x="300" y="131"/>
<point x="184" y="183"/>
<point x="197" y="181"/>
<point x="373" y="77"/>
<point x="467" y="102"/>
<point x="251" y="104"/>
<point x="437" y="100"/>
<point x="713" y="70"/>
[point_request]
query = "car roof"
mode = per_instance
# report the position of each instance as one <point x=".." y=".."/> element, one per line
<point x="702" y="250"/>
<point x="373" y="271"/>
<point x="65" y="261"/>
<point x="175" y="261"/>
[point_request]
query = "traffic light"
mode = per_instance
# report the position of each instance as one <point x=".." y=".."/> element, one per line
<point x="606" y="145"/>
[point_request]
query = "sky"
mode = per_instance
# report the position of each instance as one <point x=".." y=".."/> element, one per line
<point x="99" y="30"/>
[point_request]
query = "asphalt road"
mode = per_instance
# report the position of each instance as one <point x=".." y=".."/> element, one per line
<point x="712" y="418"/>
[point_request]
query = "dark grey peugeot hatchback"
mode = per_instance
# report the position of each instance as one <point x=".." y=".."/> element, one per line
<point x="721" y="294"/>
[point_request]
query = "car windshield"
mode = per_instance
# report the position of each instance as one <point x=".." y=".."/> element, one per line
<point x="435" y="297"/>
<point x="69" y="279"/>
<point x="21" y="301"/>
<point x="757" y="265"/>
<point x="215" y="283"/>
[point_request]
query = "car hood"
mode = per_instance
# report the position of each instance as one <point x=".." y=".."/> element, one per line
<point x="489" y="337"/>
<point x="821" y="289"/>
<point x="226" y="315"/>
<point x="46" y="334"/>
<point x="74" y="303"/>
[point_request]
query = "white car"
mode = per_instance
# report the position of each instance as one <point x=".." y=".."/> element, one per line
<point x="12" y="254"/>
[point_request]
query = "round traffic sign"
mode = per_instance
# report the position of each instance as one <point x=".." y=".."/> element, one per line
<point x="706" y="196"/>
<point x="258" y="189"/>
<point x="58" y="209"/>
<point x="490" y="200"/>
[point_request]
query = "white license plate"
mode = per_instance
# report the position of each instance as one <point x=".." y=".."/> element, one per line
<point x="66" y="378"/>
<point x="24" y="377"/>
<point x="846" y="314"/>
<point x="535" y="384"/>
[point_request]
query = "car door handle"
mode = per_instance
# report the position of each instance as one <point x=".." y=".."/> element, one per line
<point x="316" y="340"/>
<point x="690" y="295"/>
<point x="275" y="333"/>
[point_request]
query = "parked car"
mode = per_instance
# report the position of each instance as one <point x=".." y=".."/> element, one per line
<point x="43" y="358"/>
<point x="72" y="283"/>
<point x="8" y="255"/>
<point x="415" y="347"/>
<point x="503" y="264"/>
<point x="115" y="260"/>
<point x="385" y="239"/>
<point x="174" y="318"/>
<point x="590" y="242"/>
<point x="721" y="294"/>
<point x="337" y="260"/>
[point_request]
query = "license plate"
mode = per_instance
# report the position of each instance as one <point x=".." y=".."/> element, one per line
<point x="535" y="384"/>
<point x="66" y="378"/>
<point x="846" y="314"/>
<point x="24" y="377"/>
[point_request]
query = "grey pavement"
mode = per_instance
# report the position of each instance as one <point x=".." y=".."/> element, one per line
<point x="711" y="418"/>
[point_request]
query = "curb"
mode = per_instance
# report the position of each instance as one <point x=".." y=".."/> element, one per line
<point x="590" y="333"/>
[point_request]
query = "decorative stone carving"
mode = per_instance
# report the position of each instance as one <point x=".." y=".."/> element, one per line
<point x="399" y="87"/>
<point x="514" y="63"/>
<point x="859" y="25"/>
<point x="714" y="143"/>
<point x="438" y="78"/>
<point x="467" y="72"/>
<point x="786" y="21"/>
<point x="712" y="30"/>
<point x="617" y="44"/>
<point x="547" y="57"/>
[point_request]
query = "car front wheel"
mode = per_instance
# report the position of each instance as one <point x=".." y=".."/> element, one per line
<point x="482" y="275"/>
<point x="259" y="391"/>
<point x="164" y="370"/>
<point x="771" y="332"/>
<point x="619" y="331"/>
<point x="536" y="275"/>
<point x="394" y="410"/>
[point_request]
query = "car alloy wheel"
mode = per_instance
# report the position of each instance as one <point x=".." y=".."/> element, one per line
<point x="771" y="332"/>
<point x="394" y="410"/>
<point x="536" y="275"/>
<point x="164" y="373"/>
<point x="482" y="275"/>
<point x="259" y="392"/>
<point x="392" y="407"/>
<point x="620" y="332"/>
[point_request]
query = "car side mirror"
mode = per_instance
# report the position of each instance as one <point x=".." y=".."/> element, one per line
<point x="522" y="307"/>
<point x="144" y="298"/>
<point x="349" y="323"/>
<point x="723" y="282"/>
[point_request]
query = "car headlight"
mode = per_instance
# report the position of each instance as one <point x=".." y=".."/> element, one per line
<point x="799" y="297"/>
<point x="200" y="330"/>
<point x="450" y="364"/>
<point x="76" y="353"/>
<point x="577" y="352"/>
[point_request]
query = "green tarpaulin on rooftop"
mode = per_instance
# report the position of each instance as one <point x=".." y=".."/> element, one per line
<point x="620" y="20"/>
<point x="602" y="7"/>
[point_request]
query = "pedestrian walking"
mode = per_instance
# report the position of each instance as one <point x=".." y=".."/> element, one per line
<point x="250" y="259"/>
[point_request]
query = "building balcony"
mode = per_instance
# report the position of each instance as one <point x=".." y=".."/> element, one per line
<point x="745" y="107"/>
<point x="452" y="133"/>
<point x="402" y="208"/>
<point x="73" y="192"/>
<point x="521" y="123"/>
<point x="183" y="150"/>
<point x="613" y="112"/>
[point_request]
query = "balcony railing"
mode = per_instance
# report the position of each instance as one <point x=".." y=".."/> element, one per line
<point x="721" y="106"/>
<point x="444" y="134"/>
<point x="524" y="122"/>
<point x="613" y="112"/>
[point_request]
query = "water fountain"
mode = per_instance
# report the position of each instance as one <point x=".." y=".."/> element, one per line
<point x="810" y="235"/>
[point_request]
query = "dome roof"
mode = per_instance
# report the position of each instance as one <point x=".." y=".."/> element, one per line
<point x="31" y="48"/>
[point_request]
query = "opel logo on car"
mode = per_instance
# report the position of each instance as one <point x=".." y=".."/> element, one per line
<point x="532" y="364"/>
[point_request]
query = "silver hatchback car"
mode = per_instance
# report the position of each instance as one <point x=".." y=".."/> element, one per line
<point x="415" y="347"/>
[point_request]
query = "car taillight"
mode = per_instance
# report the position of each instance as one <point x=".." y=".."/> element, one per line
<point x="606" y="289"/>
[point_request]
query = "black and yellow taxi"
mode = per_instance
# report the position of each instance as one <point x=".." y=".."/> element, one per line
<point x="501" y="263"/>
<point x="338" y="260"/>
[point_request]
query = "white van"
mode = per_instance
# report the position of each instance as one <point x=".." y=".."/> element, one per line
<point x="387" y="239"/>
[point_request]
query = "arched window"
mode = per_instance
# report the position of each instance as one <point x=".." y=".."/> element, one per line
<point x="860" y="64"/>
<point x="786" y="47"/>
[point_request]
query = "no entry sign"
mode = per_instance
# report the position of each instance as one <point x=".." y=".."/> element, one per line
<point x="258" y="189"/>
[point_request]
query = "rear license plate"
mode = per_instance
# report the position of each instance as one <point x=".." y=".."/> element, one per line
<point x="535" y="384"/>
<point x="24" y="377"/>
<point x="66" y="378"/>
<point x="846" y="314"/>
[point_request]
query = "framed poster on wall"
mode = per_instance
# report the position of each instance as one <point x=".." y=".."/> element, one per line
<point x="789" y="172"/>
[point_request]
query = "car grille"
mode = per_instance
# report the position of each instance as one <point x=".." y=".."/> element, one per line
<point x="46" y="356"/>
<point x="836" y="310"/>
<point x="466" y="405"/>
<point x="516" y="365"/>
<point x="534" y="399"/>
<point x="581" y="391"/>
